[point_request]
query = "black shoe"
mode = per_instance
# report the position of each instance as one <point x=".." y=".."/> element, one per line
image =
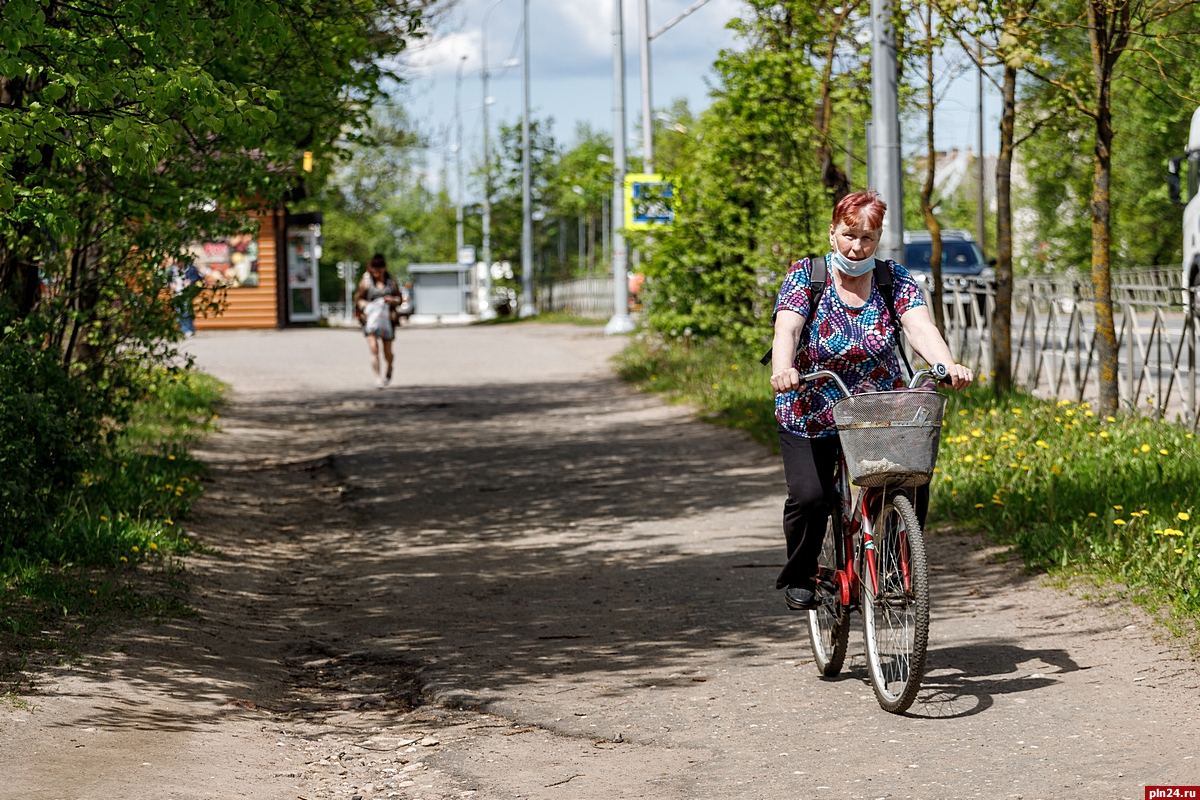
<point x="798" y="599"/>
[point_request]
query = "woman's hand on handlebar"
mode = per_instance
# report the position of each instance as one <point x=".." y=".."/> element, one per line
<point x="960" y="376"/>
<point x="786" y="381"/>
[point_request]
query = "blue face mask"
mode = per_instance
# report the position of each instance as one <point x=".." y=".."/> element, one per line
<point x="850" y="267"/>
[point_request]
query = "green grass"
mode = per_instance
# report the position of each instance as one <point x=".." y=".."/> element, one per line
<point x="726" y="383"/>
<point x="113" y="548"/>
<point x="549" y="316"/>
<point x="1074" y="493"/>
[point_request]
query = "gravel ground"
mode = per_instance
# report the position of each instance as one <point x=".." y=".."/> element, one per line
<point x="509" y="575"/>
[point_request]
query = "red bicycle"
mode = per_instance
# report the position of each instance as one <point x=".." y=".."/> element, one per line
<point x="873" y="556"/>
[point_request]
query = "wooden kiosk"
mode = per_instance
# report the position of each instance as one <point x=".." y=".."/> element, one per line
<point x="270" y="278"/>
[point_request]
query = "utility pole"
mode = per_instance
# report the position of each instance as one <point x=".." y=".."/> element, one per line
<point x="487" y="154"/>
<point x="885" y="129"/>
<point x="647" y="101"/>
<point x="621" y="322"/>
<point x="980" y="218"/>
<point x="647" y="96"/>
<point x="528" y="308"/>
<point x="458" y="157"/>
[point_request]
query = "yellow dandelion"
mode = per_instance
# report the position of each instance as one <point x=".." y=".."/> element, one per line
<point x="152" y="546"/>
<point x="103" y="518"/>
<point x="963" y="413"/>
<point x="134" y="548"/>
<point x="1089" y="413"/>
<point x="976" y="433"/>
<point x="1042" y="444"/>
<point x="1145" y="448"/>
<point x="946" y="478"/>
<point x="123" y="558"/>
<point x="1111" y="419"/>
<point x="1164" y="451"/>
<point x="1179" y="550"/>
<point x="953" y="491"/>
<point x="1091" y="513"/>
<point x="1174" y="532"/>
<point x="968" y="459"/>
<point x="1014" y="465"/>
<point x="714" y="386"/>
<point x="170" y="458"/>
<point x="1104" y="434"/>
<point x="1054" y="468"/>
<point x="1118" y="508"/>
<point x="1020" y="455"/>
<point x="979" y="505"/>
<point x="1183" y="515"/>
<point x="1118" y="521"/>
<point x="1017" y="411"/>
<point x="733" y="366"/>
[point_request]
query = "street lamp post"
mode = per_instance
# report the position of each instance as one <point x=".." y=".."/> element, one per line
<point x="885" y="129"/>
<point x="647" y="97"/>
<point x="528" y="309"/>
<point x="621" y="322"/>
<point x="487" y="155"/>
<point x="458" y="158"/>
<point x="647" y="100"/>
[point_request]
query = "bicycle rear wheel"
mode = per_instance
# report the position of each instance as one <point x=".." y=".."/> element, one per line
<point x="896" y="614"/>
<point x="829" y="623"/>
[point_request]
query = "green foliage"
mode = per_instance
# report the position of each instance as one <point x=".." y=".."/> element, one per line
<point x="723" y="379"/>
<point x="122" y="510"/>
<point x="750" y="199"/>
<point x="1074" y="491"/>
<point x="46" y="438"/>
<point x="1153" y="97"/>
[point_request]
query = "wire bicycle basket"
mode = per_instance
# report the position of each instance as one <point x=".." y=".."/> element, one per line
<point x="890" y="438"/>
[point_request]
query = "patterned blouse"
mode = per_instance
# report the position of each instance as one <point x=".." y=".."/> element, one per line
<point x="856" y="342"/>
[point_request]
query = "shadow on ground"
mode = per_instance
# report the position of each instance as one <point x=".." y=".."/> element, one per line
<point x="479" y="539"/>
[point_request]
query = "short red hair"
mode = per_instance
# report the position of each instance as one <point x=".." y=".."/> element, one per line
<point x="860" y="209"/>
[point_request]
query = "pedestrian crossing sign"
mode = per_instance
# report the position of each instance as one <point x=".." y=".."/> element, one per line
<point x="649" y="201"/>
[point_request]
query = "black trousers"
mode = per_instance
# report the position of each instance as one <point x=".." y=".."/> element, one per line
<point x="809" y="466"/>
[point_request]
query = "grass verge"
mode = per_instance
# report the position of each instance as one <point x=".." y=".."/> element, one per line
<point x="1075" y="493"/>
<point x="114" y="546"/>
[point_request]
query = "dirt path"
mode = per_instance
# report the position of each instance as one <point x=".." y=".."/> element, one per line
<point x="511" y="576"/>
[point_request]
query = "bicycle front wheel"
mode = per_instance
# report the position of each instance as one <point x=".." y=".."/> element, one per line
<point x="829" y="622"/>
<point x="896" y="606"/>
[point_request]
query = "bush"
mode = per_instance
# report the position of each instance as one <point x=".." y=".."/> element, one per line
<point x="48" y="434"/>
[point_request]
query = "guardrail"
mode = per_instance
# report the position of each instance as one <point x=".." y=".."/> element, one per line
<point x="1054" y="337"/>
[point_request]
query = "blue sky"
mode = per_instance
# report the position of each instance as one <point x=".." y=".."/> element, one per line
<point x="571" y="70"/>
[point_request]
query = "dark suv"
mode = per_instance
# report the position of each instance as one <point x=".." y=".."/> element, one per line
<point x="961" y="257"/>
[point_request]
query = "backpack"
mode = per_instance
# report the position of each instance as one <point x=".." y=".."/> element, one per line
<point x="818" y="277"/>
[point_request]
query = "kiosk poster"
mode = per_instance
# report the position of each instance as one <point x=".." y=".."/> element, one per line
<point x="229" y="263"/>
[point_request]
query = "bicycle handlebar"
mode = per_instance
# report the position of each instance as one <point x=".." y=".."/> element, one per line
<point x="938" y="372"/>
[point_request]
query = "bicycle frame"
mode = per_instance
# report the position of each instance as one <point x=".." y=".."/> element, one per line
<point x="858" y="531"/>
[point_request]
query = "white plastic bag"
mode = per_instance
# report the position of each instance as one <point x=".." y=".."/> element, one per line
<point x="379" y="321"/>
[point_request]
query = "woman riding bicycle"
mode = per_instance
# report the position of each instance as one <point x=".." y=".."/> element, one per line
<point x="854" y="337"/>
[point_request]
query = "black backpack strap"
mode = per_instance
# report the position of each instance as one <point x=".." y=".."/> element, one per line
<point x="887" y="288"/>
<point x="818" y="277"/>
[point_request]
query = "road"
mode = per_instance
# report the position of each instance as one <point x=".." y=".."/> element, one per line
<point x="510" y="575"/>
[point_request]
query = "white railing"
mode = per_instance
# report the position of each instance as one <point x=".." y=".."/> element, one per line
<point x="591" y="298"/>
<point x="1054" y="350"/>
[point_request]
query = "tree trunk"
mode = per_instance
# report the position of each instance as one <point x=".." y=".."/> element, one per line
<point x="1106" y="332"/>
<point x="931" y="222"/>
<point x="1002" y="322"/>
<point x="832" y="176"/>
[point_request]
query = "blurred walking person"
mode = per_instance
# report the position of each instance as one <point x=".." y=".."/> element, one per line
<point x="375" y="303"/>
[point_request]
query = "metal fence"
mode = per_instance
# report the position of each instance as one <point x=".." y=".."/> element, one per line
<point x="1054" y="337"/>
<point x="591" y="298"/>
